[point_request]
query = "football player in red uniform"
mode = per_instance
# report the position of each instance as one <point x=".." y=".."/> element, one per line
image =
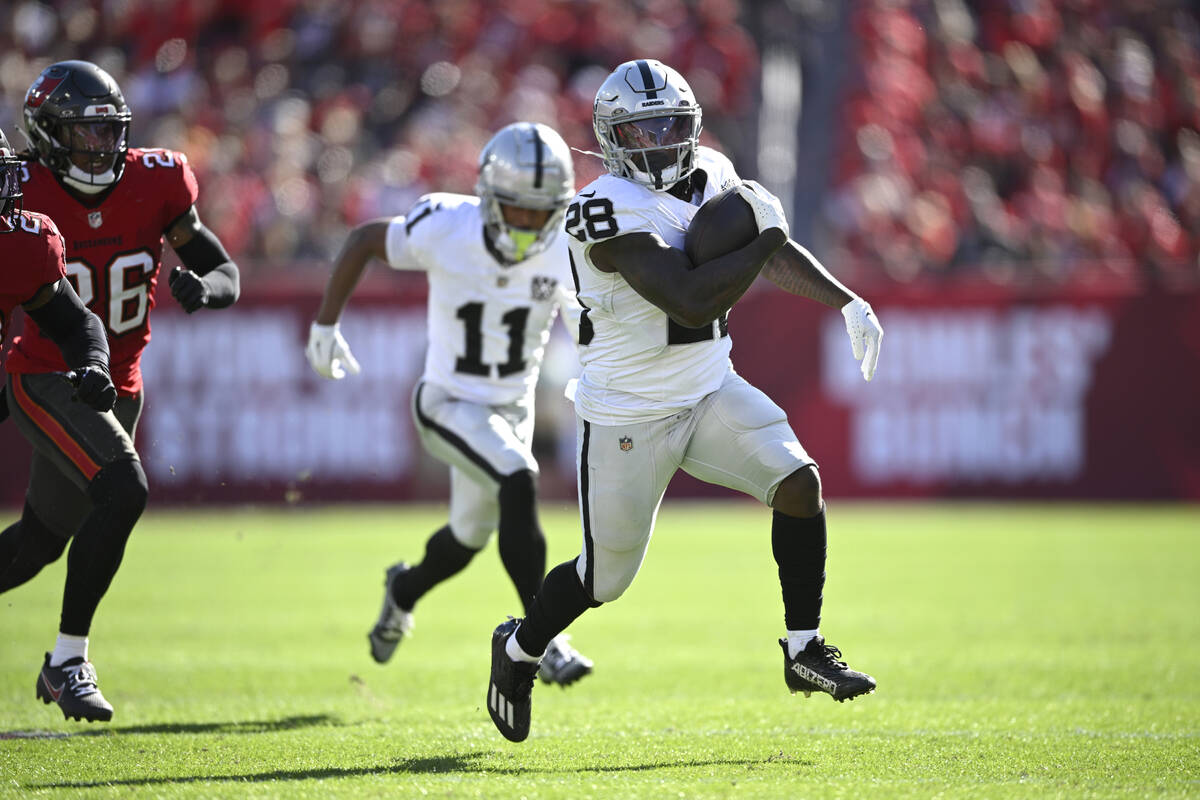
<point x="114" y="205"/>
<point x="33" y="276"/>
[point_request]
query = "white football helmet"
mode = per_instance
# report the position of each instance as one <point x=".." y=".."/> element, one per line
<point x="648" y="124"/>
<point x="526" y="164"/>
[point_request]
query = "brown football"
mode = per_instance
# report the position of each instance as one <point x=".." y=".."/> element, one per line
<point x="724" y="224"/>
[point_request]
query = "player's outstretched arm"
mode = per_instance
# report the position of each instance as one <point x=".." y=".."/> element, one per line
<point x="366" y="241"/>
<point x="209" y="278"/>
<point x="80" y="335"/>
<point x="663" y="274"/>
<point x="798" y="271"/>
<point x="328" y="352"/>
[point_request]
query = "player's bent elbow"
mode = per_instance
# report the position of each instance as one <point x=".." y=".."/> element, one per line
<point x="695" y="314"/>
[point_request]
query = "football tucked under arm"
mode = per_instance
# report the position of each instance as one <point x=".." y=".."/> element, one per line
<point x="725" y="223"/>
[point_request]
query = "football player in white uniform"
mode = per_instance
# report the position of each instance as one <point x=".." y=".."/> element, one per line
<point x="658" y="392"/>
<point x="498" y="272"/>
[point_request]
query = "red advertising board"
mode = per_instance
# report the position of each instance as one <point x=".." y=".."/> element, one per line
<point x="981" y="391"/>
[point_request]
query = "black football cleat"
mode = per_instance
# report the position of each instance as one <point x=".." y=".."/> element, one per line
<point x="817" y="669"/>
<point x="394" y="622"/>
<point x="72" y="685"/>
<point x="563" y="664"/>
<point x="509" y="689"/>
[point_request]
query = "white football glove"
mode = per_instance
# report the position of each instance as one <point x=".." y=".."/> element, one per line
<point x="865" y="334"/>
<point x="329" y="354"/>
<point x="768" y="213"/>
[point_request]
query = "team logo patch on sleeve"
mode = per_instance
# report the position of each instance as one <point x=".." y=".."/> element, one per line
<point x="625" y="443"/>
<point x="541" y="287"/>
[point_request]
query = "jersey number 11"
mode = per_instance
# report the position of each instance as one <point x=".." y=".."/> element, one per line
<point x="471" y="362"/>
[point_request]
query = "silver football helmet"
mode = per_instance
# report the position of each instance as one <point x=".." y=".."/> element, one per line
<point x="528" y="165"/>
<point x="648" y="124"/>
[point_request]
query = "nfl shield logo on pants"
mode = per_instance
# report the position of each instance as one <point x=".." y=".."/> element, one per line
<point x="626" y="443"/>
<point x="94" y="219"/>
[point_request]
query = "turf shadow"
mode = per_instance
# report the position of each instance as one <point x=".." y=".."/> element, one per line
<point x="235" y="727"/>
<point x="465" y="763"/>
<point x="443" y="764"/>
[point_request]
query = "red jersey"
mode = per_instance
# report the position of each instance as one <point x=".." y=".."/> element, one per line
<point x="114" y="252"/>
<point x="31" y="256"/>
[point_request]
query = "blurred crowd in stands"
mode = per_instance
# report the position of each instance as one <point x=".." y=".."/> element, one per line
<point x="1045" y="137"/>
<point x="303" y="118"/>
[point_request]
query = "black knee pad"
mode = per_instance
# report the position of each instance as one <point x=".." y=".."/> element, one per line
<point x="122" y="487"/>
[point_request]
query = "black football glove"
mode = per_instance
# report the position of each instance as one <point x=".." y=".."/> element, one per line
<point x="93" y="388"/>
<point x="188" y="288"/>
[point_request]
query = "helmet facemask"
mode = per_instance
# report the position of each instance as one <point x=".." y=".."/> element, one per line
<point x="10" y="186"/>
<point x="658" y="151"/>
<point x="517" y="243"/>
<point x="89" y="154"/>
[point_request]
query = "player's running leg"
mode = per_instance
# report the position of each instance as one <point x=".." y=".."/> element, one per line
<point x="27" y="546"/>
<point x="473" y="515"/>
<point x="620" y="488"/>
<point x="798" y="544"/>
<point x="743" y="441"/>
<point x="94" y="451"/>
<point x="404" y="585"/>
<point x="523" y="552"/>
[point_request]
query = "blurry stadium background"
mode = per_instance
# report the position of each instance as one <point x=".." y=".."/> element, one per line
<point x="1013" y="184"/>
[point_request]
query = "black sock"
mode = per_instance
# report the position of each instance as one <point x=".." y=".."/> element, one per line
<point x="560" y="602"/>
<point x="25" y="547"/>
<point x="799" y="548"/>
<point x="521" y="541"/>
<point x="118" y="494"/>
<point x="445" y="557"/>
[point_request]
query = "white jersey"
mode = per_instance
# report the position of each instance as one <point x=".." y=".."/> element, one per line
<point x="638" y="364"/>
<point x="488" y="322"/>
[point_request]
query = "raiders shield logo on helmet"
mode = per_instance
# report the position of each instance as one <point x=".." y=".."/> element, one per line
<point x="541" y="287"/>
<point x="625" y="443"/>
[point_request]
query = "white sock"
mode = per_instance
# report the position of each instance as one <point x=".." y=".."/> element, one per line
<point x="513" y="648"/>
<point x="68" y="647"/>
<point x="798" y="640"/>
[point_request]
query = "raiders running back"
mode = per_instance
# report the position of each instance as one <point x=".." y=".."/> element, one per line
<point x="488" y="320"/>
<point x="638" y="364"/>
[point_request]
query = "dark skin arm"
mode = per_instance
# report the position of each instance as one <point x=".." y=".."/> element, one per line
<point x="663" y="274"/>
<point x="796" y="270"/>
<point x="214" y="281"/>
<point x="366" y="241"/>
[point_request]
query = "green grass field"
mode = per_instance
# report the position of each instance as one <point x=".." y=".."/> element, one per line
<point x="1021" y="651"/>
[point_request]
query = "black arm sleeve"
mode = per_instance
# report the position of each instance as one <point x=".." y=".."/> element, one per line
<point x="204" y="255"/>
<point x="78" y="332"/>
